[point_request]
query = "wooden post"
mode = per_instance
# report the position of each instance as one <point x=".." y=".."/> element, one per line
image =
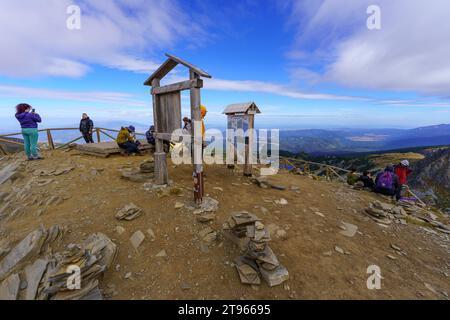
<point x="98" y="134"/>
<point x="249" y="146"/>
<point x="161" y="174"/>
<point x="51" y="145"/>
<point x="3" y="150"/>
<point x="197" y="157"/>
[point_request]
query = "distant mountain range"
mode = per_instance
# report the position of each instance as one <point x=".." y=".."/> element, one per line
<point x="325" y="142"/>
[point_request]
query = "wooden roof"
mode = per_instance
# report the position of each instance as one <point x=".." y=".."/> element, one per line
<point x="171" y="63"/>
<point x="241" y="108"/>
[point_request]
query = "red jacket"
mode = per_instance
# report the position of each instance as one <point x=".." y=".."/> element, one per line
<point x="402" y="173"/>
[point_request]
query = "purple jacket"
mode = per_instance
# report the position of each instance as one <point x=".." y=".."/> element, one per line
<point x="28" y="119"/>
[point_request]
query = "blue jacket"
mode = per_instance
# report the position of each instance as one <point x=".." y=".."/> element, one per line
<point x="28" y="119"/>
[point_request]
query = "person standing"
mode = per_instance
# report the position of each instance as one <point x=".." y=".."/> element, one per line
<point x="402" y="171"/>
<point x="86" y="128"/>
<point x="29" y="120"/>
<point x="187" y="126"/>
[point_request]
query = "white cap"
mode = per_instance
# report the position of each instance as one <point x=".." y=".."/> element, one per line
<point x="405" y="163"/>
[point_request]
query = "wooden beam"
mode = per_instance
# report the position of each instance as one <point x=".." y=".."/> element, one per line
<point x="11" y="141"/>
<point x="51" y="145"/>
<point x="97" y="130"/>
<point x="3" y="150"/>
<point x="191" y="67"/>
<point x="184" y="85"/>
<point x="106" y="134"/>
<point x="66" y="144"/>
<point x="160" y="158"/>
<point x="161" y="72"/>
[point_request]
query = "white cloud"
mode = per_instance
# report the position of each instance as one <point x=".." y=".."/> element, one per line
<point x="26" y="93"/>
<point x="409" y="53"/>
<point x="120" y="34"/>
<point x="271" y="88"/>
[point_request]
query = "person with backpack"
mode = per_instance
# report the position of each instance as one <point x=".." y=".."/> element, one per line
<point x="367" y="180"/>
<point x="126" y="141"/>
<point x="149" y="136"/>
<point x="86" y="128"/>
<point x="29" y="120"/>
<point x="352" y="177"/>
<point x="387" y="183"/>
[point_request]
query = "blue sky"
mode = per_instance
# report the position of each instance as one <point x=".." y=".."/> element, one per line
<point x="307" y="64"/>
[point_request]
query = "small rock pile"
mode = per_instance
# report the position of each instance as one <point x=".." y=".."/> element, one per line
<point x="30" y="271"/>
<point x="129" y="212"/>
<point x="145" y="172"/>
<point x="385" y="213"/>
<point x="249" y="233"/>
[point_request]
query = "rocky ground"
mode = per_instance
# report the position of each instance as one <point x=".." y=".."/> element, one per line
<point x="324" y="233"/>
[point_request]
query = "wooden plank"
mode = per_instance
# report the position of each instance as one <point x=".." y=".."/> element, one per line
<point x="108" y="135"/>
<point x="168" y="112"/>
<point x="11" y="141"/>
<point x="51" y="145"/>
<point x="160" y="158"/>
<point x="161" y="72"/>
<point x="3" y="150"/>
<point x="98" y="134"/>
<point x="66" y="144"/>
<point x="183" y="85"/>
<point x="191" y="67"/>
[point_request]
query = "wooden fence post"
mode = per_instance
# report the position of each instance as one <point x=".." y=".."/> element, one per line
<point x="3" y="150"/>
<point x="98" y="134"/>
<point x="51" y="145"/>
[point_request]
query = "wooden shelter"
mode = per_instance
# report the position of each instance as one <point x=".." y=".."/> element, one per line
<point x="167" y="115"/>
<point x="242" y="116"/>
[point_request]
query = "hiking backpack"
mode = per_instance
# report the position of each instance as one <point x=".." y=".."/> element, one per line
<point x="386" y="180"/>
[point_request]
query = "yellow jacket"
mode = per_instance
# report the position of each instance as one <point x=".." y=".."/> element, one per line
<point x="124" y="136"/>
<point x="203" y="114"/>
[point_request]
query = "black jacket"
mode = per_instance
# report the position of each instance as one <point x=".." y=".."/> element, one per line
<point x="86" y="125"/>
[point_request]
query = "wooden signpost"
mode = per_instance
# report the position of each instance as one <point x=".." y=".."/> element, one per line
<point x="241" y="116"/>
<point x="167" y="116"/>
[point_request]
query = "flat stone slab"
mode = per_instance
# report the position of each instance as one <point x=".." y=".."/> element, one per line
<point x="27" y="248"/>
<point x="106" y="148"/>
<point x="34" y="273"/>
<point x="275" y="277"/>
<point x="137" y="238"/>
<point x="9" y="289"/>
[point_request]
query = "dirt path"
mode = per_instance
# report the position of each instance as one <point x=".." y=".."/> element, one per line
<point x="190" y="271"/>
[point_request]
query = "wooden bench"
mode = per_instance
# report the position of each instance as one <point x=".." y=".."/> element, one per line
<point x="105" y="149"/>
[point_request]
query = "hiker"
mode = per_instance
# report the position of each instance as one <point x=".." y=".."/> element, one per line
<point x="366" y="179"/>
<point x="86" y="127"/>
<point x="125" y="140"/>
<point x="187" y="127"/>
<point x="402" y="170"/>
<point x="149" y="135"/>
<point x="352" y="177"/>
<point x="387" y="183"/>
<point x="29" y="120"/>
<point x="203" y="112"/>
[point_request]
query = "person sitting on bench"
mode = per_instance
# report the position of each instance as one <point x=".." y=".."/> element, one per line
<point x="126" y="141"/>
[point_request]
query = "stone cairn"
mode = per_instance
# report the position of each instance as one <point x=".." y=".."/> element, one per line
<point x="248" y="232"/>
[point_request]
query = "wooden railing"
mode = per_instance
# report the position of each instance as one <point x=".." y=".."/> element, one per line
<point x="50" y="141"/>
<point x="316" y="168"/>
